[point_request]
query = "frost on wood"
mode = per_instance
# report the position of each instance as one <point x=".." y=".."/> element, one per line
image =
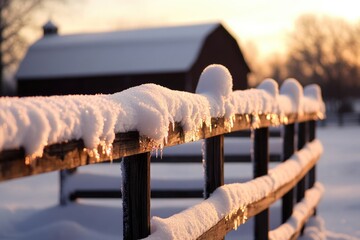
<point x="34" y="122"/>
<point x="231" y="198"/>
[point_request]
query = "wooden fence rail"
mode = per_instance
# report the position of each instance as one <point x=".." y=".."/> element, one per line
<point x="136" y="152"/>
<point x="71" y="191"/>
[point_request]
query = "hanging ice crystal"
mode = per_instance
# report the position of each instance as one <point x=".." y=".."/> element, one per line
<point x="107" y="149"/>
<point x="247" y="118"/>
<point x="93" y="153"/>
<point x="240" y="216"/>
<point x="244" y="212"/>
<point x="255" y="121"/>
<point x="203" y="155"/>
<point x="123" y="176"/>
<point x="252" y="151"/>
<point x="173" y="126"/>
<point x="161" y="152"/>
<point x="30" y="160"/>
<point x="229" y="123"/>
<point x="284" y="119"/>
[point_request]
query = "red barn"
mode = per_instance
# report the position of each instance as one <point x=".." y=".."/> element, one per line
<point x="110" y="62"/>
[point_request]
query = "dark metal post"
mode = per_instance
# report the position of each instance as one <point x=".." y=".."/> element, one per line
<point x="302" y="139"/>
<point x="136" y="196"/>
<point x="64" y="196"/>
<point x="288" y="151"/>
<point x="214" y="169"/>
<point x="312" y="172"/>
<point x="261" y="160"/>
<point x="312" y="136"/>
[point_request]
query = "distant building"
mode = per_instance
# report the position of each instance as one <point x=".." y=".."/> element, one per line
<point x="173" y="57"/>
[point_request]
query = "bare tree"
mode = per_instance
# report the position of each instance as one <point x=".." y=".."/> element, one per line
<point x="15" y="15"/>
<point x="325" y="50"/>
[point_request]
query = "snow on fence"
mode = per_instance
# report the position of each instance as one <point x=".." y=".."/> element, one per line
<point x="41" y="134"/>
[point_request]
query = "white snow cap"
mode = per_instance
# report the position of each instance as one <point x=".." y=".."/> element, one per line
<point x="313" y="92"/>
<point x="293" y="90"/>
<point x="216" y="85"/>
<point x="216" y="81"/>
<point x="270" y="86"/>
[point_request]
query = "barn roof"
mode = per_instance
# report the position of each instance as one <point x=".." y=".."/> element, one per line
<point x="165" y="49"/>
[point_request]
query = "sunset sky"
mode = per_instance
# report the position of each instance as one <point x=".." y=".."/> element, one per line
<point x="264" y="22"/>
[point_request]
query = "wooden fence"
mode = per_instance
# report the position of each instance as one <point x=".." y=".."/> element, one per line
<point x="135" y="153"/>
<point x="71" y="191"/>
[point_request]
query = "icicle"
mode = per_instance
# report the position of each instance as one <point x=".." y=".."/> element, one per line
<point x="247" y="117"/>
<point x="320" y="115"/>
<point x="241" y="218"/>
<point x="30" y="160"/>
<point x="203" y="154"/>
<point x="244" y="212"/>
<point x="107" y="149"/>
<point x="93" y="153"/>
<point x="255" y="121"/>
<point x="273" y="118"/>
<point x="283" y="119"/>
<point x="229" y="123"/>
<point x="123" y="177"/>
<point x="252" y="137"/>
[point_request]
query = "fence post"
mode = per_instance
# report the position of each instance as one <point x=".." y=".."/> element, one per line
<point x="288" y="151"/>
<point x="302" y="139"/>
<point x="64" y="198"/>
<point x="136" y="196"/>
<point x="261" y="160"/>
<point x="214" y="164"/>
<point x="312" y="136"/>
<point x="312" y="172"/>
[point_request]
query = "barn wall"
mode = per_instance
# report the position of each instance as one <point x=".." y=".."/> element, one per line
<point x="221" y="48"/>
<point x="94" y="85"/>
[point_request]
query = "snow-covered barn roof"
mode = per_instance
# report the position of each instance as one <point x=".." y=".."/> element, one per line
<point x="165" y="49"/>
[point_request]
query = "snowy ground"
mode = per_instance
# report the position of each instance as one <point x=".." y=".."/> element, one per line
<point x="28" y="207"/>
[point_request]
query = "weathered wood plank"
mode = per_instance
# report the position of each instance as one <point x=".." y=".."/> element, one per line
<point x="227" y="224"/>
<point x="71" y="154"/>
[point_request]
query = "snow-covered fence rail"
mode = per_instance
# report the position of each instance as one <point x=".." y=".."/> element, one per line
<point x="47" y="134"/>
